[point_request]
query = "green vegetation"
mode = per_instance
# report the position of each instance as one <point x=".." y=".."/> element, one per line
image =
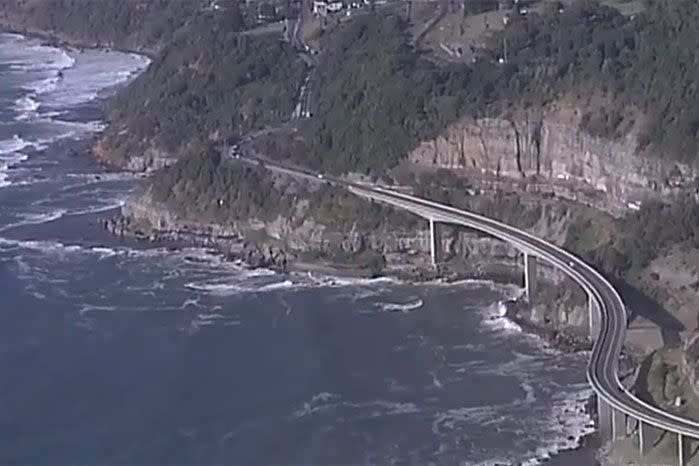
<point x="208" y="84"/>
<point x="342" y="211"/>
<point x="377" y="97"/>
<point x="133" y="24"/>
<point x="638" y="238"/>
<point x="366" y="260"/>
<point x="205" y="189"/>
<point x="648" y="62"/>
<point x="657" y="372"/>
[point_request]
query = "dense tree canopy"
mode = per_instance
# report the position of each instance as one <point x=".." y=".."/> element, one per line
<point x="377" y="97"/>
<point x="205" y="188"/>
<point x="208" y="84"/>
<point x="650" y="61"/>
<point x="136" y="24"/>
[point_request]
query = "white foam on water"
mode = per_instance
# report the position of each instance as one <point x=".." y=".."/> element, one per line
<point x="436" y="383"/>
<point x="93" y="72"/>
<point x="43" y="86"/>
<point x="87" y="308"/>
<point x="37" y="218"/>
<point x="54" y="248"/>
<point x="261" y="272"/>
<point x="529" y="392"/>
<point x="7" y="163"/>
<point x="104" y="252"/>
<point x="9" y="146"/>
<point x="225" y="288"/>
<point x="285" y="285"/>
<point x="401" y="307"/>
<point x="339" y="282"/>
<point x="447" y="420"/>
<point x="217" y="289"/>
<point x="35" y="58"/>
<point x="573" y="423"/>
<point x="495" y="319"/>
<point x="207" y="317"/>
<point x="26" y="106"/>
<point x="325" y="401"/>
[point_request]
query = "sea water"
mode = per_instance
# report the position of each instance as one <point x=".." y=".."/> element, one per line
<point x="113" y="352"/>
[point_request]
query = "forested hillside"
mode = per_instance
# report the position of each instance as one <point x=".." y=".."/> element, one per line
<point x="202" y="188"/>
<point x="377" y="97"/>
<point x="134" y="24"/>
<point x="208" y="84"/>
<point x="650" y="61"/>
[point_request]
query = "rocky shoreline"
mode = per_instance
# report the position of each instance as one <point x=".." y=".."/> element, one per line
<point x="560" y="339"/>
<point x="236" y="248"/>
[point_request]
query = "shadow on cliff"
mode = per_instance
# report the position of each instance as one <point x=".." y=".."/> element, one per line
<point x="641" y="305"/>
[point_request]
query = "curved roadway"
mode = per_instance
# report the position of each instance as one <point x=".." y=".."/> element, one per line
<point x="602" y="369"/>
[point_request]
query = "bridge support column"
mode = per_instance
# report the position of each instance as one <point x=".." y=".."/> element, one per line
<point x="530" y="278"/>
<point x="604" y="420"/>
<point x="435" y="242"/>
<point x="680" y="450"/>
<point x="648" y="436"/>
<point x="593" y="317"/>
<point x="618" y="424"/>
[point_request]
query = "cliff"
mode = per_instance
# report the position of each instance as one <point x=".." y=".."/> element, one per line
<point x="306" y="231"/>
<point x="144" y="26"/>
<point x="550" y="151"/>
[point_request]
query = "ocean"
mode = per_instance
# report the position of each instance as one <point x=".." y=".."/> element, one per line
<point x="113" y="352"/>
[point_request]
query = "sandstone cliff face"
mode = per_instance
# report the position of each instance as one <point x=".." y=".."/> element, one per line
<point x="555" y="149"/>
<point x="477" y="251"/>
<point x="143" y="160"/>
<point x="689" y="363"/>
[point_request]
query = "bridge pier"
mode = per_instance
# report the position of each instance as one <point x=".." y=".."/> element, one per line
<point x="680" y="450"/>
<point x="604" y="420"/>
<point x="593" y="317"/>
<point x="435" y="242"/>
<point x="648" y="436"/>
<point x="618" y="424"/>
<point x="530" y="278"/>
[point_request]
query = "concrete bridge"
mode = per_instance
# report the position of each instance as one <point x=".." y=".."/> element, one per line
<point x="620" y="413"/>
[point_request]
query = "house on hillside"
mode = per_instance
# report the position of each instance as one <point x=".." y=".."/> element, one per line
<point x="266" y="12"/>
<point x="325" y="7"/>
<point x="334" y="7"/>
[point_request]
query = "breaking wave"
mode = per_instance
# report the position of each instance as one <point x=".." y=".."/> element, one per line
<point x="495" y="318"/>
<point x="401" y="307"/>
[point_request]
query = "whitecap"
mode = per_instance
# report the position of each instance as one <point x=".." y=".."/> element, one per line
<point x="208" y="317"/>
<point x="285" y="285"/>
<point x="401" y="307"/>
<point x="26" y="106"/>
<point x="43" y="85"/>
<point x="7" y="163"/>
<point x="325" y="401"/>
<point x="496" y="319"/>
<point x="104" y="252"/>
<point x="15" y="144"/>
<point x="218" y="289"/>
<point x="530" y="396"/>
<point x="573" y="423"/>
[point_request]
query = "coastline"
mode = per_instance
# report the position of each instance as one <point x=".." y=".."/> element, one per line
<point x="305" y="267"/>
<point x="67" y="43"/>
<point x="563" y="340"/>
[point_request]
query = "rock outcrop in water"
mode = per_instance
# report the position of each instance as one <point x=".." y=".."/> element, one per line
<point x="281" y="242"/>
